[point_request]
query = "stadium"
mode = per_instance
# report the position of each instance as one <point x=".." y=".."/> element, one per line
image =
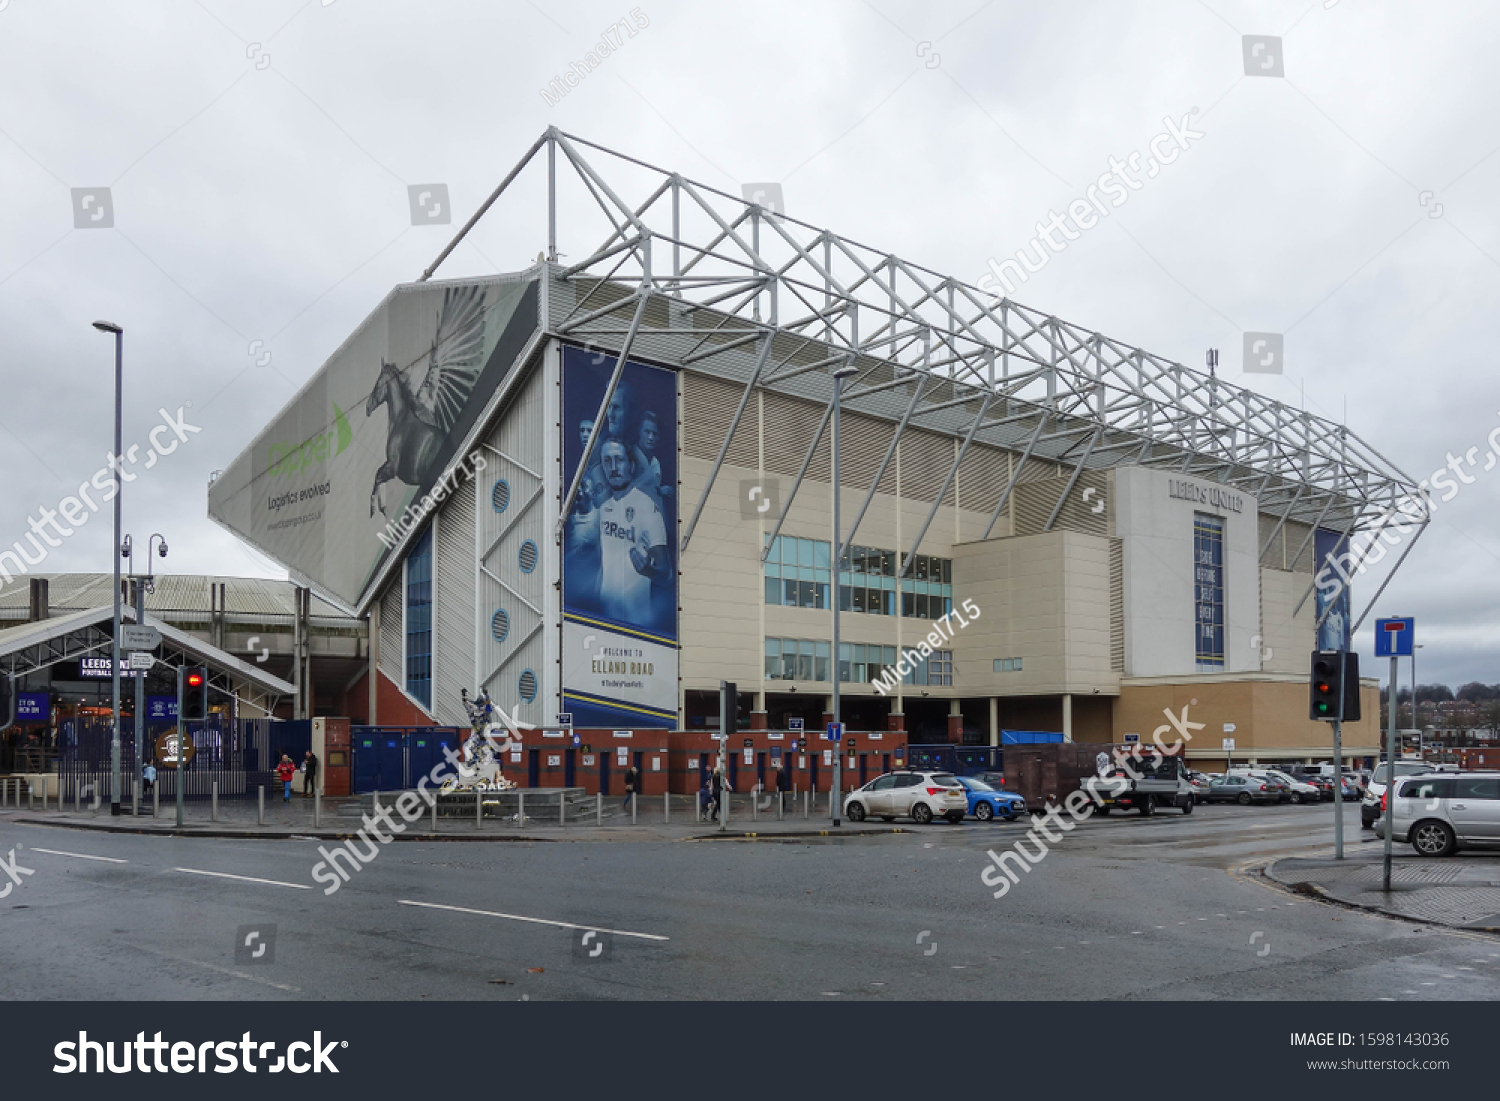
<point x="601" y="488"/>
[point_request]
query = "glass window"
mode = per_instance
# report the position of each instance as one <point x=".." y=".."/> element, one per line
<point x="822" y="556"/>
<point x="419" y="620"/>
<point x="773" y="587"/>
<point x="773" y="659"/>
<point x="805" y="660"/>
<point x="820" y="667"/>
<point x="788" y="658"/>
<point x="940" y="668"/>
<point x="844" y="653"/>
<point x="1476" y="789"/>
<point x="883" y="783"/>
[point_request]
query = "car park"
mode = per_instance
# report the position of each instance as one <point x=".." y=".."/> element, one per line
<point x="1441" y="813"/>
<point x="986" y="802"/>
<point x="1200" y="782"/>
<point x="920" y="796"/>
<point x="1237" y="787"/>
<point x="1281" y="788"/>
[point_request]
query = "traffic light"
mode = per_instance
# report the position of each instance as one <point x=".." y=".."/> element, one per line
<point x="192" y="694"/>
<point x="1333" y="687"/>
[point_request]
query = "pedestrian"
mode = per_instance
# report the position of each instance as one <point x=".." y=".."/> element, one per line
<point x="284" y="772"/>
<point x="716" y="791"/>
<point x="632" y="786"/>
<point x="148" y="779"/>
<point x="309" y="774"/>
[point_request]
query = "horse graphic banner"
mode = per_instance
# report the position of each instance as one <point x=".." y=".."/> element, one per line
<point x="619" y="637"/>
<point x="335" y="485"/>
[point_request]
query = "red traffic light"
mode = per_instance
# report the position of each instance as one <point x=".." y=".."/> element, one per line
<point x="195" y="680"/>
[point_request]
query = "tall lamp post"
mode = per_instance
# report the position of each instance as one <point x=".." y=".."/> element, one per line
<point x="114" y="737"/>
<point x="143" y="585"/>
<point x="839" y="376"/>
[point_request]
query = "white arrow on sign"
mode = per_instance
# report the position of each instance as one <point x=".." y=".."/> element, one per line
<point x="139" y="638"/>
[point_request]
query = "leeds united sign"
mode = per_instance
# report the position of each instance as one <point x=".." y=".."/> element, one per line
<point x="1205" y="495"/>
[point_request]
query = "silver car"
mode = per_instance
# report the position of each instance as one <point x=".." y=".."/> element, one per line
<point x="921" y="796"/>
<point x="1439" y="814"/>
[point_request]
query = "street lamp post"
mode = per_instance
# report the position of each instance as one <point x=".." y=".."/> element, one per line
<point x="114" y="737"/>
<point x="838" y="562"/>
<point x="143" y="585"/>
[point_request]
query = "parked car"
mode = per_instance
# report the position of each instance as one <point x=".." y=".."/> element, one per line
<point x="1440" y="814"/>
<point x="1200" y="782"/>
<point x="920" y="796"/>
<point x="1371" y="806"/>
<point x="996" y="780"/>
<point x="1300" y="791"/>
<point x="1281" y="788"/>
<point x="1240" y="788"/>
<point x="985" y="802"/>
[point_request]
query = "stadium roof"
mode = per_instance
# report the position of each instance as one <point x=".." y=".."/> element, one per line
<point x="686" y="273"/>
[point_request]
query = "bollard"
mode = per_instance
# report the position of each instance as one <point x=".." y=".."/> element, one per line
<point x="30" y="797"/>
<point x="634" y="799"/>
<point x="478" y="809"/>
<point x="599" y="808"/>
<point x="562" y="808"/>
<point x="77" y="792"/>
<point x="213" y="801"/>
<point x="155" y="799"/>
<point x="434" y="799"/>
<point x="135" y="800"/>
<point x="317" y="808"/>
<point x="755" y="804"/>
<point x="260" y="806"/>
<point x="780" y="805"/>
<point x="666" y="807"/>
<point x="806" y="804"/>
<point x="520" y="809"/>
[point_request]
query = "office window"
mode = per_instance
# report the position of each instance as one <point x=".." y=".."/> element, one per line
<point x="940" y="668"/>
<point x="1007" y="665"/>
<point x="798" y="575"/>
<point x="796" y="659"/>
<point x="419" y="620"/>
<point x="797" y="572"/>
<point x="1208" y="591"/>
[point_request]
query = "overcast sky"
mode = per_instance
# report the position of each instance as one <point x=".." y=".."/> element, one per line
<point x="258" y="153"/>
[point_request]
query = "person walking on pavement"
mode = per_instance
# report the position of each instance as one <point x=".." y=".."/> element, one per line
<point x="148" y="779"/>
<point x="632" y="786"/>
<point x="284" y="772"/>
<point x="309" y="774"/>
<point x="716" y="791"/>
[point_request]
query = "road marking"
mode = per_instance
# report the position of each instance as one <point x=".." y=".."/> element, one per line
<point x="82" y="856"/>
<point x="533" y="920"/>
<point x="245" y="878"/>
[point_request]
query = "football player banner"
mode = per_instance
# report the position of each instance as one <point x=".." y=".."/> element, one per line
<point x="619" y="640"/>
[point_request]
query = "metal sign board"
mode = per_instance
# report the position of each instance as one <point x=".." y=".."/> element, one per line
<point x="139" y="638"/>
<point x="167" y="750"/>
<point x="834" y="733"/>
<point x="1229" y="728"/>
<point x="794" y="724"/>
<point x="1129" y="738"/>
<point x="565" y="719"/>
<point x="1395" y="638"/>
<point x="1228" y="743"/>
<point x="141" y="659"/>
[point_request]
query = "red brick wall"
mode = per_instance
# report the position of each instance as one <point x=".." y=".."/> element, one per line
<point x="392" y="708"/>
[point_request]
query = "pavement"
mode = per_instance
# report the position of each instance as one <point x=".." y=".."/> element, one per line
<point x="340" y="818"/>
<point x="1460" y="891"/>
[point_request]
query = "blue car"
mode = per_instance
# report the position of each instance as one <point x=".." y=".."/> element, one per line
<point x="986" y="802"/>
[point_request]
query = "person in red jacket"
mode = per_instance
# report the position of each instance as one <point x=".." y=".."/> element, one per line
<point x="285" y="771"/>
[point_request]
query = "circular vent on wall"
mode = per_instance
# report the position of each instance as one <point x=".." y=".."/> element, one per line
<point x="500" y="625"/>
<point x="500" y="495"/>
<point x="526" y="686"/>
<point x="528" y="556"/>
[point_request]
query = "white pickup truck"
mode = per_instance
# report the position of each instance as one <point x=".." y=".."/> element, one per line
<point x="1158" y="781"/>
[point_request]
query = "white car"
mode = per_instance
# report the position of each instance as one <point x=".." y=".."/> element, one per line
<point x="921" y="796"/>
<point x="1372" y="805"/>
<point x="1440" y="813"/>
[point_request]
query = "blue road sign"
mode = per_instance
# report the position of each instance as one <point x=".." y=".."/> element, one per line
<point x="1394" y="638"/>
<point x="794" y="723"/>
<point x="834" y="733"/>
